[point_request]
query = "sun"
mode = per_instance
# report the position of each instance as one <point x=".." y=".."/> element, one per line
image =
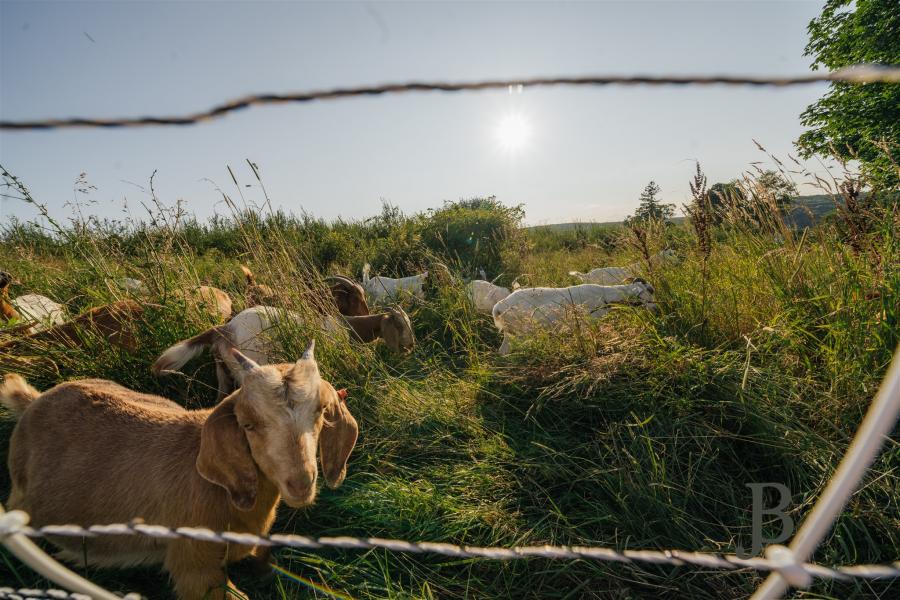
<point x="513" y="132"/>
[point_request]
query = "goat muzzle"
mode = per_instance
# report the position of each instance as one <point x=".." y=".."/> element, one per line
<point x="299" y="490"/>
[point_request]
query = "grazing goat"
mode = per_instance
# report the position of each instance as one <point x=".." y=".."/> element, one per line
<point x="250" y="331"/>
<point x="92" y="451"/>
<point x="205" y="298"/>
<point x="210" y="300"/>
<point x="530" y="309"/>
<point x="349" y="296"/>
<point x="393" y="326"/>
<point x="35" y="311"/>
<point x="381" y="288"/>
<point x="256" y="294"/>
<point x="484" y="294"/>
<point x="7" y="310"/>
<point x="40" y="312"/>
<point x="617" y="275"/>
<point x="113" y="322"/>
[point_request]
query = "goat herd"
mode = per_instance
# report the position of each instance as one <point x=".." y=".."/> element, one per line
<point x="92" y="451"/>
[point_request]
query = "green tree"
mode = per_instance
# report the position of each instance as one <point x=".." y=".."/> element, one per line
<point x="856" y="121"/>
<point x="651" y="208"/>
<point x="772" y="185"/>
<point x="722" y="196"/>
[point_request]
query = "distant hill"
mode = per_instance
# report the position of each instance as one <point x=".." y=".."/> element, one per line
<point x="578" y="225"/>
<point x="807" y="211"/>
<point x="587" y="225"/>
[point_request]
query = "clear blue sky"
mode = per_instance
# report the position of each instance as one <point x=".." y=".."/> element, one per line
<point x="589" y="154"/>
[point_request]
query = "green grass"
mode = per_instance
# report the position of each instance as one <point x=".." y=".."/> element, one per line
<point x="638" y="431"/>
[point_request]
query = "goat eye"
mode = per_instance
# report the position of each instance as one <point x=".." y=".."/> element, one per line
<point x="248" y="426"/>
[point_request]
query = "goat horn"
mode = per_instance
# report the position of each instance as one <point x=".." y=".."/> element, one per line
<point x="247" y="364"/>
<point x="342" y="279"/>
<point x="308" y="354"/>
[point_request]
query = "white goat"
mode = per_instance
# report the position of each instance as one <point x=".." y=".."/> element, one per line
<point x="40" y="310"/>
<point x="37" y="312"/>
<point x="532" y="309"/>
<point x="484" y="294"/>
<point x="250" y="332"/>
<point x="381" y="288"/>
<point x="254" y="332"/>
<point x="617" y="275"/>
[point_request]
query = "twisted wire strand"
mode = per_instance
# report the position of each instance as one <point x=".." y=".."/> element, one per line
<point x="8" y="593"/>
<point x="860" y="74"/>
<point x="669" y="557"/>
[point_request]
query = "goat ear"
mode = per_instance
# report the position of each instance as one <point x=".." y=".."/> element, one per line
<point x="338" y="437"/>
<point x="225" y="458"/>
<point x="246" y="364"/>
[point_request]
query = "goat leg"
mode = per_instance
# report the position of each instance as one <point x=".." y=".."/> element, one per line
<point x="259" y="561"/>
<point x="197" y="570"/>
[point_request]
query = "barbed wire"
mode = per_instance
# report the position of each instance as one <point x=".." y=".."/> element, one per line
<point x="782" y="563"/>
<point x="859" y="74"/>
<point x="8" y="593"/>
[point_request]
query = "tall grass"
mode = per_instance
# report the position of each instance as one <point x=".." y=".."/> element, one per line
<point x="637" y="431"/>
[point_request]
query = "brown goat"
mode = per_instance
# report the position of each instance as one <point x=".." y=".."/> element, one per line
<point x="348" y="295"/>
<point x="7" y="310"/>
<point x="205" y="298"/>
<point x="92" y="451"/>
<point x="211" y="300"/>
<point x="256" y="294"/>
<point x="393" y="326"/>
<point x="112" y="322"/>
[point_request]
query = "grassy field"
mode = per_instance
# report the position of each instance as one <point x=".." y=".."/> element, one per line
<point x="638" y="431"/>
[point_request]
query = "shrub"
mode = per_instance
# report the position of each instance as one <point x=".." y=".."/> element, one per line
<point x="480" y="233"/>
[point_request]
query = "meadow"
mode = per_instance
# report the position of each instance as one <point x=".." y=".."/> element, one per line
<point x="636" y="431"/>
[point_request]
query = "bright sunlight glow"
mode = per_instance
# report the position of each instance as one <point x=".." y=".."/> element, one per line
<point x="513" y="132"/>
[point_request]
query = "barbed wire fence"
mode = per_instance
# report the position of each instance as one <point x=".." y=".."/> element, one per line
<point x="859" y="74"/>
<point x="787" y="566"/>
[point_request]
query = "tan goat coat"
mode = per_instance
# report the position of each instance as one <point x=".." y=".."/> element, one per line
<point x="137" y="431"/>
<point x="93" y="452"/>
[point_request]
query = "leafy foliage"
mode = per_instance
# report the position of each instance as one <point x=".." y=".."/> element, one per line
<point x="856" y="121"/>
<point x="772" y="186"/>
<point x="475" y="234"/>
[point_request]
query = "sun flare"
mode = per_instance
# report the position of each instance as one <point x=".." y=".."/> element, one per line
<point x="513" y="132"/>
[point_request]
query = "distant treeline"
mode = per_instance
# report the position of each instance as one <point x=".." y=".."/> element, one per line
<point x="471" y="236"/>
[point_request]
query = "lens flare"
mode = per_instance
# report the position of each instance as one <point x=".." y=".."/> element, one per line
<point x="513" y="132"/>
